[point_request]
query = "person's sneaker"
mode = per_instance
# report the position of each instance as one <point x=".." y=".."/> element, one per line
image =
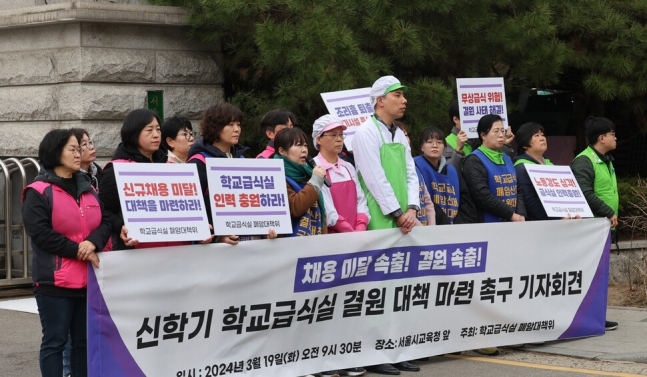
<point x="352" y="372"/>
<point x="608" y="325"/>
<point x="489" y="351"/>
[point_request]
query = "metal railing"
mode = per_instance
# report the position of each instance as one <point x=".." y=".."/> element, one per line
<point x="14" y="262"/>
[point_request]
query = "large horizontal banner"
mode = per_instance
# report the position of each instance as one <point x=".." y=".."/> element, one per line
<point x="292" y="306"/>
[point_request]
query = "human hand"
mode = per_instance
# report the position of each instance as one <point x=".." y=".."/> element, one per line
<point x="407" y="221"/>
<point x="509" y="136"/>
<point x="568" y="217"/>
<point x="614" y="221"/>
<point x="318" y="170"/>
<point x="208" y="240"/>
<point x="94" y="259"/>
<point x="127" y="240"/>
<point x="271" y="234"/>
<point x="517" y="217"/>
<point x="85" y="249"/>
<point x="232" y="240"/>
<point x="462" y="139"/>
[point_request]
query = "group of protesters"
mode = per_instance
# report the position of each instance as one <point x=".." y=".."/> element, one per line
<point x="72" y="209"/>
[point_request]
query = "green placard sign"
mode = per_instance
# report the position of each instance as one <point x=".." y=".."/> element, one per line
<point x="155" y="102"/>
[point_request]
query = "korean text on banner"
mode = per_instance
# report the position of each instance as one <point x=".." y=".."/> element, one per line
<point x="478" y="97"/>
<point x="353" y="107"/>
<point x="248" y="196"/>
<point x="558" y="190"/>
<point x="162" y="202"/>
<point x="292" y="306"/>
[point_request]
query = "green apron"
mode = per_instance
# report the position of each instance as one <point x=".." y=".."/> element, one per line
<point x="394" y="163"/>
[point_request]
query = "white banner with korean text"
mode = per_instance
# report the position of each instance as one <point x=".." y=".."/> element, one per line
<point x="292" y="306"/>
<point x="478" y="97"/>
<point x="161" y="202"/>
<point x="248" y="196"/>
<point x="352" y="106"/>
<point x="558" y="190"/>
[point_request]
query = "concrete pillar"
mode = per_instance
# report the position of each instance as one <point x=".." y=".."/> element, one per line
<point x="88" y="64"/>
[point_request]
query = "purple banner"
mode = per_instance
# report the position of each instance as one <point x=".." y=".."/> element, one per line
<point x="255" y="213"/>
<point x="164" y="219"/>
<point x="476" y="121"/>
<point x="549" y="171"/>
<point x="482" y="86"/>
<point x="238" y="168"/>
<point x="347" y="98"/>
<point x="323" y="272"/>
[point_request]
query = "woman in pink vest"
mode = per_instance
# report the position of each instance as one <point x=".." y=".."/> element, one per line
<point x="64" y="218"/>
<point x="344" y="200"/>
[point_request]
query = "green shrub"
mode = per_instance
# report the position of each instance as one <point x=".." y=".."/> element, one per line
<point x="628" y="188"/>
<point x="633" y="208"/>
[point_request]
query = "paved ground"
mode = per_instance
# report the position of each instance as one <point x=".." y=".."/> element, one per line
<point x="622" y="352"/>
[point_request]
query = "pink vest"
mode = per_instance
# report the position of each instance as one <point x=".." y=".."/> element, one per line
<point x="267" y="153"/>
<point x="75" y="222"/>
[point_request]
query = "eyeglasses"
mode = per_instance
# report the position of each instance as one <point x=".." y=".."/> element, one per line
<point x="335" y="136"/>
<point x="501" y="131"/>
<point x="89" y="144"/>
<point x="435" y="142"/>
<point x="75" y="150"/>
<point x="189" y="135"/>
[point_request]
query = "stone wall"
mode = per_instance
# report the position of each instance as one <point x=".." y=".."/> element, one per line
<point x="88" y="64"/>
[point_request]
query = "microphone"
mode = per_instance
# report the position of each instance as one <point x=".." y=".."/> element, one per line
<point x="311" y="162"/>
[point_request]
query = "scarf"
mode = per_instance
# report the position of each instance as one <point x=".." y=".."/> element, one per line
<point x="301" y="173"/>
<point x="494" y="156"/>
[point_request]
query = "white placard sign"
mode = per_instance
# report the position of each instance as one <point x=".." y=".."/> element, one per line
<point x="478" y="97"/>
<point x="248" y="196"/>
<point x="162" y="202"/>
<point x="558" y="190"/>
<point x="353" y="107"/>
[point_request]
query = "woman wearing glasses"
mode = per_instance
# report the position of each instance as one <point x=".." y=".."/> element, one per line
<point x="64" y="218"/>
<point x="492" y="182"/>
<point x="177" y="138"/>
<point x="490" y="176"/>
<point x="344" y="200"/>
<point x="445" y="184"/>
<point x="88" y="166"/>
